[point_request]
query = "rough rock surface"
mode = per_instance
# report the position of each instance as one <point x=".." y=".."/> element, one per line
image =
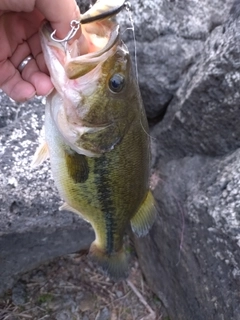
<point x="188" y="57"/>
<point x="191" y="258"/>
<point x="170" y="36"/>
<point x="32" y="229"/>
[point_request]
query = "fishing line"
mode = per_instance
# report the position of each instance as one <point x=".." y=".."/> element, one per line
<point x="153" y="138"/>
<point x="130" y="15"/>
<point x="132" y="28"/>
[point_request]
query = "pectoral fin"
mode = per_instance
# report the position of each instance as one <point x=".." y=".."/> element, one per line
<point x="143" y="220"/>
<point x="40" y="155"/>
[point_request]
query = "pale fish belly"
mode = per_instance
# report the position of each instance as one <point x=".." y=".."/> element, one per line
<point x="79" y="196"/>
<point x="57" y="147"/>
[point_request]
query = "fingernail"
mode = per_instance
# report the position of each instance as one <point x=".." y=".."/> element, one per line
<point x="27" y="98"/>
<point x="32" y="96"/>
<point x="46" y="94"/>
<point x="50" y="91"/>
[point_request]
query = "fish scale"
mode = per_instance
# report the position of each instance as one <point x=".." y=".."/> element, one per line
<point x="97" y="139"/>
<point x="105" y="199"/>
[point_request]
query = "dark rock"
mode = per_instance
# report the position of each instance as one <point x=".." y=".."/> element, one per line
<point x="188" y="61"/>
<point x="19" y="294"/>
<point x="104" y="314"/>
<point x="205" y="108"/>
<point x="191" y="258"/>
<point x="170" y="36"/>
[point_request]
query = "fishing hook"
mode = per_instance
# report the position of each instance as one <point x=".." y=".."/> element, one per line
<point x="75" y="25"/>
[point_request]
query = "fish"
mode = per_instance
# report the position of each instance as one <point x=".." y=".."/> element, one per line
<point x="97" y="137"/>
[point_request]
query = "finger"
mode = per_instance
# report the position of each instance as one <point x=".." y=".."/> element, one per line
<point x="13" y="84"/>
<point x="31" y="72"/>
<point x="60" y="13"/>
<point x="31" y="46"/>
<point x="16" y="5"/>
<point x="18" y="27"/>
<point x="38" y="79"/>
<point x="21" y="52"/>
<point x="36" y="50"/>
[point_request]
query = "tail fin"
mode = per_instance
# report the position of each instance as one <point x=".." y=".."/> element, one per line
<point x="115" y="264"/>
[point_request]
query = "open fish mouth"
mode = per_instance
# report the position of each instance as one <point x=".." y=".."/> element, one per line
<point x="94" y="46"/>
<point x="75" y="68"/>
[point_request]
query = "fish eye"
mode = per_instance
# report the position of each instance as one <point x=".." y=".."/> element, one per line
<point x="116" y="82"/>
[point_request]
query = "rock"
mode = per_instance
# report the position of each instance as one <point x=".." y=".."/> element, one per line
<point x="208" y="93"/>
<point x="63" y="315"/>
<point x="32" y="230"/>
<point x="19" y="294"/>
<point x="170" y="36"/>
<point x="188" y="61"/>
<point x="104" y="314"/>
<point x="191" y="257"/>
<point x="87" y="302"/>
<point x="119" y="293"/>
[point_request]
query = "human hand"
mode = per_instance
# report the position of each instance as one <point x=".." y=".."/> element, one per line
<point x="19" y="24"/>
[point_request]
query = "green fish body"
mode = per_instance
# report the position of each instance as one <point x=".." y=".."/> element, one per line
<point x="97" y="138"/>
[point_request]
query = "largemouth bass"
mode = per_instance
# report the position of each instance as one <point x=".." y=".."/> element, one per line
<point x="97" y="138"/>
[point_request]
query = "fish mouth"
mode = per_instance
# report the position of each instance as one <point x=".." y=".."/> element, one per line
<point x="75" y="68"/>
<point x="96" y="43"/>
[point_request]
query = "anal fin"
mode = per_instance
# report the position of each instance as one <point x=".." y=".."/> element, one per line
<point x="143" y="220"/>
<point x="40" y="155"/>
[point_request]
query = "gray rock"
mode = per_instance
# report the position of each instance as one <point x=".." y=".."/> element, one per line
<point x="32" y="230"/>
<point x="104" y="314"/>
<point x="205" y="109"/>
<point x="170" y="36"/>
<point x="188" y="57"/>
<point x="191" y="257"/>
<point x="19" y="294"/>
<point x="63" y="315"/>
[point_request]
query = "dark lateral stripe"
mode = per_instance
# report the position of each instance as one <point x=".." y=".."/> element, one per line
<point x="77" y="166"/>
<point x="101" y="171"/>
